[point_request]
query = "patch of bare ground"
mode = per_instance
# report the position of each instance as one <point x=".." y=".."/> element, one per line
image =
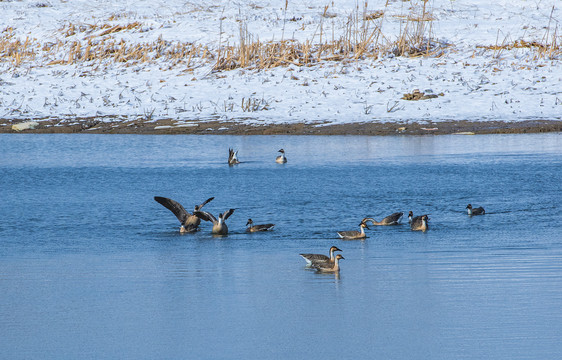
<point x="242" y="127"/>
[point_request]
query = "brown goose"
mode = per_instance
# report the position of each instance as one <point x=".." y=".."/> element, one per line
<point x="419" y="223"/>
<point x="392" y="219"/>
<point x="312" y="259"/>
<point x="219" y="226"/>
<point x="232" y="157"/>
<point x="329" y="266"/>
<point x="189" y="222"/>
<point x="255" y="228"/>
<point x="281" y="159"/>
<point x="477" y="211"/>
<point x="354" y="234"/>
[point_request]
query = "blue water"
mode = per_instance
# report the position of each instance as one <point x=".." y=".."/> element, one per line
<point x="92" y="267"/>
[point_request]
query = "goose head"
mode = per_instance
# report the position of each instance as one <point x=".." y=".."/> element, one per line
<point x="334" y="248"/>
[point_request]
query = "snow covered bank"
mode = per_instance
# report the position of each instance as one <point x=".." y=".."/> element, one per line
<point x="479" y="71"/>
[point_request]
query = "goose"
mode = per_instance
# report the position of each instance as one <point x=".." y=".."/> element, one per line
<point x="329" y="266"/>
<point x="219" y="226"/>
<point x="477" y="211"/>
<point x="281" y="159"/>
<point x="354" y="234"/>
<point x="420" y="223"/>
<point x="254" y="228"/>
<point x="189" y="222"/>
<point x="312" y="259"/>
<point x="232" y="157"/>
<point x="393" y="219"/>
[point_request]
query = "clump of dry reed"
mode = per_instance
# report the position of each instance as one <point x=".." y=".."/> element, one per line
<point x="415" y="38"/>
<point x="549" y="47"/>
<point x="14" y="50"/>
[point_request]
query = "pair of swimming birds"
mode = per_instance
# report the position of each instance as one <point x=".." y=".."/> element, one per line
<point x="323" y="263"/>
<point x="233" y="157"/>
<point x="392" y="219"/>
<point x="190" y="222"/>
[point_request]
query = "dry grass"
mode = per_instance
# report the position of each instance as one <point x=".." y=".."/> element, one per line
<point x="361" y="37"/>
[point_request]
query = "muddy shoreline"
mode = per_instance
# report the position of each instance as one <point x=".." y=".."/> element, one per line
<point x="216" y="127"/>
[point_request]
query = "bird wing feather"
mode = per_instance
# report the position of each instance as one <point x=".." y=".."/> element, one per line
<point x="203" y="215"/>
<point x="227" y="214"/>
<point x="174" y="207"/>
<point x="206" y="202"/>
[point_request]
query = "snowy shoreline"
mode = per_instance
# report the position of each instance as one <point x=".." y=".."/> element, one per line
<point x="469" y="80"/>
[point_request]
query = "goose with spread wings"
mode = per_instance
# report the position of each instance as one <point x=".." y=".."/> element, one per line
<point x="189" y="222"/>
<point x="219" y="225"/>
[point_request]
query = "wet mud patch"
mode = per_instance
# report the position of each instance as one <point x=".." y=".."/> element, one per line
<point x="250" y="127"/>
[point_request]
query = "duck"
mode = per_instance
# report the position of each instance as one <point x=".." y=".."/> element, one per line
<point x="232" y="157"/>
<point x="189" y="222"/>
<point x="312" y="259"/>
<point x="354" y="234"/>
<point x="419" y="223"/>
<point x="392" y="219"/>
<point x="219" y="226"/>
<point x="477" y="211"/>
<point x="281" y="159"/>
<point x="329" y="266"/>
<point x="255" y="228"/>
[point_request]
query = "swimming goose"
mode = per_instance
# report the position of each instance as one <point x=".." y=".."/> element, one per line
<point x="219" y="226"/>
<point x="232" y="157"/>
<point x="255" y="228"/>
<point x="329" y="266"/>
<point x="393" y="219"/>
<point x="478" y="211"/>
<point x="420" y="223"/>
<point x="189" y="222"/>
<point x="281" y="159"/>
<point x="354" y="234"/>
<point x="312" y="259"/>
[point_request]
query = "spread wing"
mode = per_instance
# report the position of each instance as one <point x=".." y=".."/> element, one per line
<point x="174" y="207"/>
<point x="206" y="202"/>
<point x="227" y="214"/>
<point x="203" y="215"/>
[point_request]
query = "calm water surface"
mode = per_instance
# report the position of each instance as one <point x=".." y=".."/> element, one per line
<point x="92" y="267"/>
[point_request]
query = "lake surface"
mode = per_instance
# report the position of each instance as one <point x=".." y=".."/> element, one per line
<point x="92" y="267"/>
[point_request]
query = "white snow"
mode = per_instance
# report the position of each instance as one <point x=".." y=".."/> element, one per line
<point x="476" y="84"/>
